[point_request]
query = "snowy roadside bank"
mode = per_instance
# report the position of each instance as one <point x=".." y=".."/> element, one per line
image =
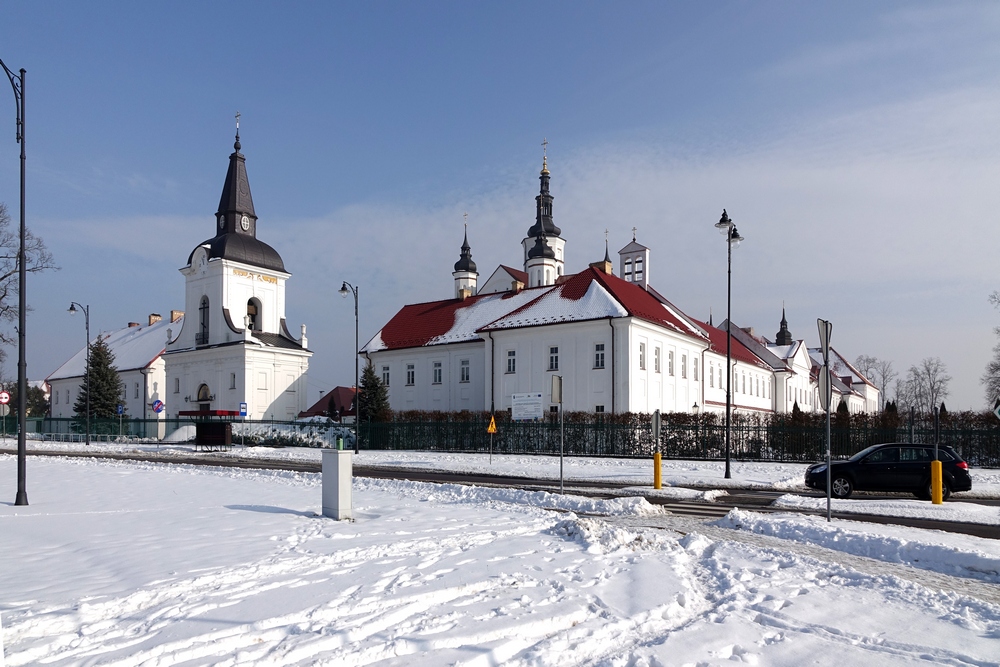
<point x="703" y="475"/>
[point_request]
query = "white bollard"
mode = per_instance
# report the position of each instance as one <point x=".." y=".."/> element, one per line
<point x="338" y="480"/>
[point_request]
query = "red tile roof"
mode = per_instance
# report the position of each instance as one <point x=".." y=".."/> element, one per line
<point x="740" y="351"/>
<point x="343" y="399"/>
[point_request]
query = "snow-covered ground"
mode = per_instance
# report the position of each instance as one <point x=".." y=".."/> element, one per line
<point x="136" y="563"/>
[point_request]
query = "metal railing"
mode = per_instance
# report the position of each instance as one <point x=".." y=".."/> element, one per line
<point x="749" y="442"/>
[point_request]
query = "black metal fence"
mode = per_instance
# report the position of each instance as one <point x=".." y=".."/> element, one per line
<point x="748" y="442"/>
<point x="256" y="432"/>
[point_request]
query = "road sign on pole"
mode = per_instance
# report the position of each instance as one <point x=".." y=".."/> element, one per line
<point x="4" y="398"/>
<point x="243" y="409"/>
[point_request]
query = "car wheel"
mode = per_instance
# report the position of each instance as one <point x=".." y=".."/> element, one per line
<point x="842" y="487"/>
<point x="945" y="491"/>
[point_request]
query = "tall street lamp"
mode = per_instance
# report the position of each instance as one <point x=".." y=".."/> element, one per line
<point x="733" y="239"/>
<point x="345" y="289"/>
<point x="86" y="319"/>
<point x="17" y="83"/>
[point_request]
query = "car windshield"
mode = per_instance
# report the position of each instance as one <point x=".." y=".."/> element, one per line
<point x="863" y="453"/>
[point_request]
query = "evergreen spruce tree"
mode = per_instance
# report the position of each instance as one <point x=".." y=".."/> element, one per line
<point x="102" y="383"/>
<point x="331" y="409"/>
<point x="373" y="397"/>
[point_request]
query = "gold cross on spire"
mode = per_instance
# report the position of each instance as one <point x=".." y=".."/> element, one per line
<point x="466" y="216"/>
<point x="237" y="121"/>
<point x="605" y="236"/>
<point x="545" y="156"/>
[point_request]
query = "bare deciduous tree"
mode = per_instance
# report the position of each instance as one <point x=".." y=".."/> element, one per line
<point x="925" y="387"/>
<point x="37" y="258"/>
<point x="991" y="377"/>
<point x="879" y="371"/>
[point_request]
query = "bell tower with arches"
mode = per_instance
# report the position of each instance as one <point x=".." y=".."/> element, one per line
<point x="236" y="347"/>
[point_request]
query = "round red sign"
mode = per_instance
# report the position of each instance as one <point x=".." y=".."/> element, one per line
<point x="4" y="398"/>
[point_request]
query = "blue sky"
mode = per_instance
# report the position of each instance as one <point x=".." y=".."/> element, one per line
<point x="856" y="145"/>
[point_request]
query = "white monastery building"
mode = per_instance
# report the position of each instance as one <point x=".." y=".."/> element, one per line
<point x="619" y="345"/>
<point x="138" y="350"/>
<point x="233" y="346"/>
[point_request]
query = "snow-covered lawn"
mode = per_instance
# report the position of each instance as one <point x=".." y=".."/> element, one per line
<point x="125" y="563"/>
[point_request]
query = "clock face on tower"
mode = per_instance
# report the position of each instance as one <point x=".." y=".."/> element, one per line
<point x="245" y="223"/>
<point x="222" y="221"/>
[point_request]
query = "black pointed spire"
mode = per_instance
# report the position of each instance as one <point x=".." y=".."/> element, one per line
<point x="236" y="222"/>
<point x="465" y="262"/>
<point x="784" y="336"/>
<point x="543" y="206"/>
<point x="236" y="202"/>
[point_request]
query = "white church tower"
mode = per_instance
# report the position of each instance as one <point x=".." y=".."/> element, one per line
<point x="544" y="247"/>
<point x="234" y="346"/>
<point x="465" y="273"/>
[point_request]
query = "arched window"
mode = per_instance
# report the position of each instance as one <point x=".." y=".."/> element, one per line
<point x="202" y="337"/>
<point x="627" y="273"/>
<point x="253" y="312"/>
<point x="638" y="269"/>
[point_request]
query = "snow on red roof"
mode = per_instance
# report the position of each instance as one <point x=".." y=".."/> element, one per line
<point x="740" y="351"/>
<point x="449" y="321"/>
<point x="588" y="295"/>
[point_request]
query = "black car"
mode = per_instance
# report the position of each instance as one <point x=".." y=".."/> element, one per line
<point x="892" y="467"/>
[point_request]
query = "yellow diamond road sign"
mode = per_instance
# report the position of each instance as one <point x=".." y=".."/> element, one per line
<point x="492" y="428"/>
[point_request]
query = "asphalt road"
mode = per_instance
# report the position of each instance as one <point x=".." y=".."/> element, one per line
<point x="749" y="499"/>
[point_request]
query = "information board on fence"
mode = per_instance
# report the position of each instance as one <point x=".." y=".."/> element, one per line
<point x="526" y="407"/>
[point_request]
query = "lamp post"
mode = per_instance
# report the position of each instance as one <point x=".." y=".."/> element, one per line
<point x="733" y="239"/>
<point x="86" y="319"/>
<point x="17" y="83"/>
<point x="345" y="289"/>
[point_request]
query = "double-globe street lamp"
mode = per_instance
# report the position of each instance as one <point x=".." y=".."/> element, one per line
<point x="17" y="83"/>
<point x="345" y="289"/>
<point x="86" y="319"/>
<point x="733" y="239"/>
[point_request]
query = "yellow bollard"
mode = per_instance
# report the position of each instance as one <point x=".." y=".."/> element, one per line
<point x="657" y="481"/>
<point x="936" y="491"/>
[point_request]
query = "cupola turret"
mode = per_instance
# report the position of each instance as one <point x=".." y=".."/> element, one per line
<point x="543" y="246"/>
<point x="465" y="274"/>
<point x="784" y="336"/>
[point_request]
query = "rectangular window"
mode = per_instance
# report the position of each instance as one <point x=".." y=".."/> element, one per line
<point x="670" y="363"/>
<point x="262" y="380"/>
<point x="511" y="361"/>
<point x="599" y="408"/>
<point x="656" y="359"/>
<point x="553" y="358"/>
<point x="177" y="388"/>
<point x="411" y="375"/>
<point x="136" y="390"/>
<point x="463" y="368"/>
<point x="684" y="365"/>
<point x="711" y="376"/>
<point x="642" y="356"/>
<point x="744" y="384"/>
<point x="694" y="368"/>
<point x="720" y="376"/>
<point x="232" y="380"/>
<point x="599" y="355"/>
<point x="385" y="375"/>
<point x="554" y="408"/>
<point x="57" y="398"/>
<point x="436" y="377"/>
